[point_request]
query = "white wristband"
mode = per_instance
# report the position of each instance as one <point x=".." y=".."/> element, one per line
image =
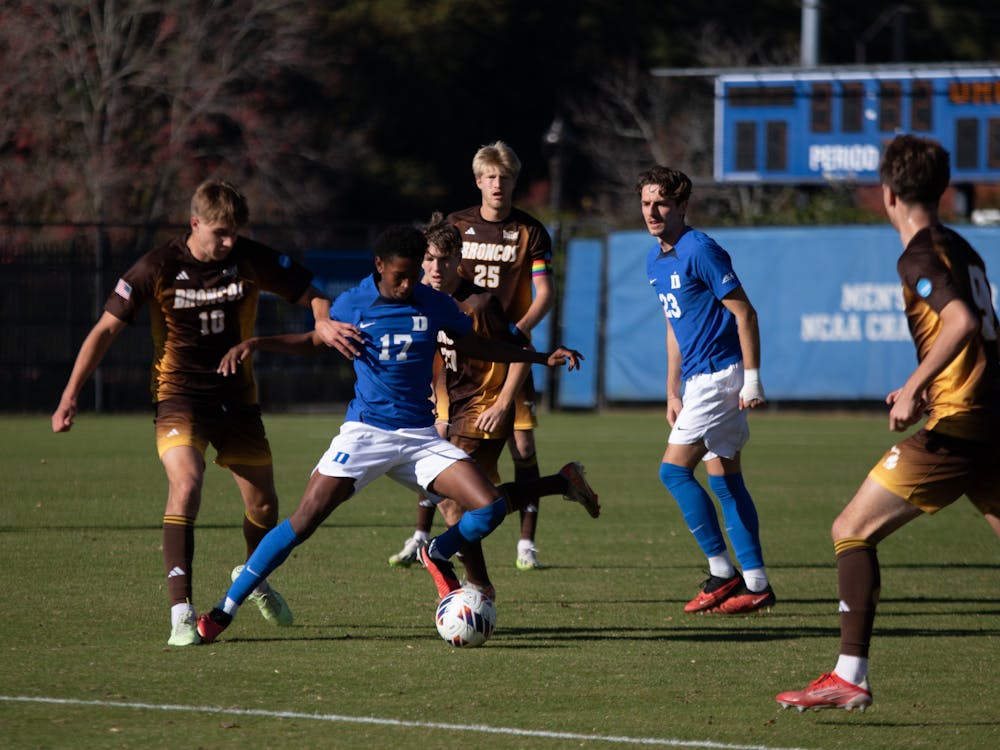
<point x="752" y="388"/>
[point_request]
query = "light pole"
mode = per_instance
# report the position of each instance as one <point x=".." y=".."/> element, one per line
<point x="552" y="143"/>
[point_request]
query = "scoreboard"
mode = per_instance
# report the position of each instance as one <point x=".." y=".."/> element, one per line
<point x="821" y="125"/>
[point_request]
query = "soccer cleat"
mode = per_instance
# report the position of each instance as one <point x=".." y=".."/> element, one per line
<point x="578" y="490"/>
<point x="527" y="560"/>
<point x="742" y="601"/>
<point x="406" y="556"/>
<point x="829" y="691"/>
<point x="185" y="632"/>
<point x="210" y="626"/>
<point x="442" y="571"/>
<point x="271" y="604"/>
<point x="714" y="591"/>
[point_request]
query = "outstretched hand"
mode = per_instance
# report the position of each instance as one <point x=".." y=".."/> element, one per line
<point x="561" y="355"/>
<point x="235" y="357"/>
<point x="343" y="337"/>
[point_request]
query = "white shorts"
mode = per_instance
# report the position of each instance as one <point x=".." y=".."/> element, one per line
<point x="711" y="413"/>
<point x="413" y="457"/>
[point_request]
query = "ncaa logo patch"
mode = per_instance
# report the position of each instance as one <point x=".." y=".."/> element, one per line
<point x="924" y="287"/>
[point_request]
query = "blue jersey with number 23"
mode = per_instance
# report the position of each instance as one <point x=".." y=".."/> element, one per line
<point x="690" y="281"/>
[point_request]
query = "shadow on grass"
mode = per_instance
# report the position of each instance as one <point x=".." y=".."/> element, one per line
<point x="564" y="637"/>
<point x="34" y="528"/>
<point x="832" y="566"/>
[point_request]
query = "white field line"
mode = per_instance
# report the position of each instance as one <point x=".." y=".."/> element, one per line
<point x="479" y="728"/>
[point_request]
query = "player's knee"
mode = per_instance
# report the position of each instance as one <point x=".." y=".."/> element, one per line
<point x="477" y="523"/>
<point x="672" y="475"/>
<point x="264" y="517"/>
<point x="841" y="528"/>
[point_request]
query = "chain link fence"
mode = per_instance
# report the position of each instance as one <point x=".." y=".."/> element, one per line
<point x="54" y="280"/>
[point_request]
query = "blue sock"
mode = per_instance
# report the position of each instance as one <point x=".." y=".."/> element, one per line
<point x="696" y="506"/>
<point x="741" y="519"/>
<point x="472" y="526"/>
<point x="273" y="549"/>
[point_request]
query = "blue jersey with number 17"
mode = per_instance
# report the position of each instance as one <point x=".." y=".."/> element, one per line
<point x="395" y="369"/>
<point x="690" y="281"/>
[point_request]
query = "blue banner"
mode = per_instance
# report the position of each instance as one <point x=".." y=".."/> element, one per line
<point x="828" y="301"/>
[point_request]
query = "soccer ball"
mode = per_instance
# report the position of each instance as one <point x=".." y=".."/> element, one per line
<point x="466" y="618"/>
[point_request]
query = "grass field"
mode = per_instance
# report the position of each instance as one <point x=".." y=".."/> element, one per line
<point x="594" y="651"/>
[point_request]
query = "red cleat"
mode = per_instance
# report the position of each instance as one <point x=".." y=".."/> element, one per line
<point x="210" y="626"/>
<point x="442" y="571"/>
<point x="742" y="601"/>
<point x="829" y="691"/>
<point x="578" y="490"/>
<point x="714" y="591"/>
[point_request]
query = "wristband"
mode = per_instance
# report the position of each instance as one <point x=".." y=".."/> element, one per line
<point x="752" y="388"/>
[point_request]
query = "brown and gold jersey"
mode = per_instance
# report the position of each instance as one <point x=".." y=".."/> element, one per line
<point x="199" y="311"/>
<point x="473" y="384"/>
<point x="504" y="256"/>
<point x="936" y="267"/>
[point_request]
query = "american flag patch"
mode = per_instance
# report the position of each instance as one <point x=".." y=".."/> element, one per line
<point x="123" y="289"/>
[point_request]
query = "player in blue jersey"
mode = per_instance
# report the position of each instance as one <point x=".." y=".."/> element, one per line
<point x="389" y="428"/>
<point x="713" y="361"/>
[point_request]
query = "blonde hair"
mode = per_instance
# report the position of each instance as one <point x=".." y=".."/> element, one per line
<point x="219" y="201"/>
<point x="497" y="154"/>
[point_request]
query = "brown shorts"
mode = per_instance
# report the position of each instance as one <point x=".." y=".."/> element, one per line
<point x="484" y="451"/>
<point x="524" y="406"/>
<point x="931" y="470"/>
<point x="236" y="432"/>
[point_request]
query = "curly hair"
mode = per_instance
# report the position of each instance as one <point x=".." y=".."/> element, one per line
<point x="672" y="182"/>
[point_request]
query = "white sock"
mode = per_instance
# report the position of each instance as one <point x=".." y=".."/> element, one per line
<point x="421" y="536"/>
<point x="178" y="612"/>
<point x="229" y="607"/>
<point x="721" y="566"/>
<point x="524" y="545"/>
<point x="854" y="669"/>
<point x="755" y="579"/>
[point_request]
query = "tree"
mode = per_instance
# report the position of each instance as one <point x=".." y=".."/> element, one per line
<point x="115" y="110"/>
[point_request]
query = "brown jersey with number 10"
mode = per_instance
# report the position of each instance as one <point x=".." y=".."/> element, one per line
<point x="199" y="310"/>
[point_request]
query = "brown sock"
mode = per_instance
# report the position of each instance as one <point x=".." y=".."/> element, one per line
<point x="859" y="582"/>
<point x="475" y="564"/>
<point x="253" y="533"/>
<point x="522" y="493"/>
<point x="526" y="469"/>
<point x="178" y="552"/>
